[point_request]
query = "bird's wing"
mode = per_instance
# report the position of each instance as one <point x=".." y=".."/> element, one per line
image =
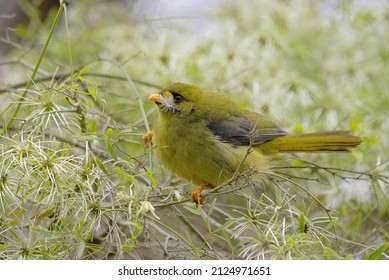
<point x="241" y="131"/>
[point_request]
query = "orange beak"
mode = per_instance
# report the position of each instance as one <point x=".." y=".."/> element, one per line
<point x="155" y="98"/>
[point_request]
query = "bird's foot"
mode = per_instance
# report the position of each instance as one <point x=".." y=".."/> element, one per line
<point x="196" y="196"/>
<point x="147" y="138"/>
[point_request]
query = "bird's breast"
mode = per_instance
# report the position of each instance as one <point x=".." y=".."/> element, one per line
<point x="195" y="155"/>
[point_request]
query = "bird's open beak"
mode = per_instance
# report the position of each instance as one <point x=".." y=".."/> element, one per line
<point x="155" y="98"/>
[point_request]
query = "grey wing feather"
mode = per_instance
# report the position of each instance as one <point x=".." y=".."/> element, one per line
<point x="240" y="131"/>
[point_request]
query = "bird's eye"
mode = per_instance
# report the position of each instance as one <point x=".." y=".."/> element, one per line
<point x="177" y="97"/>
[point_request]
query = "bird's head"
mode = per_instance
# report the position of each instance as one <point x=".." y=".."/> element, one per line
<point x="182" y="101"/>
<point x="190" y="103"/>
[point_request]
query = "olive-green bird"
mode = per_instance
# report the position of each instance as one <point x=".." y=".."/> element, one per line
<point x="203" y="137"/>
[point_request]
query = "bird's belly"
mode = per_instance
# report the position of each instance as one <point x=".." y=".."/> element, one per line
<point x="199" y="164"/>
<point x="209" y="165"/>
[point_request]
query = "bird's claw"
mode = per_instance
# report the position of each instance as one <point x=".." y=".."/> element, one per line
<point x="147" y="139"/>
<point x="196" y="196"/>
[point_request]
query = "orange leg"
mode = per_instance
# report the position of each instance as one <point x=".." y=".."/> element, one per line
<point x="147" y="137"/>
<point x="196" y="196"/>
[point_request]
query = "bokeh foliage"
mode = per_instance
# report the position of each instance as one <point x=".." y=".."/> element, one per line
<point x="77" y="183"/>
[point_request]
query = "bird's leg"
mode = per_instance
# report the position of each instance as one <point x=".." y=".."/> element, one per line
<point x="196" y="196"/>
<point x="147" y="137"/>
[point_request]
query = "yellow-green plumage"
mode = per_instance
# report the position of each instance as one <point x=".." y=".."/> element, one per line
<point x="203" y="137"/>
<point x="325" y="141"/>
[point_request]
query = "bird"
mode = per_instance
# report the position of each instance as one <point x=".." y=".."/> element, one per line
<point x="204" y="137"/>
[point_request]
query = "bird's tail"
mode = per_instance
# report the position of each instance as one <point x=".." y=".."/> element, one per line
<point x="336" y="141"/>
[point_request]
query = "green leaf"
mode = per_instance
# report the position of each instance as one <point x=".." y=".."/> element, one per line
<point x="194" y="211"/>
<point x="111" y="150"/>
<point x="152" y="179"/>
<point x="120" y="171"/>
<point x="101" y="165"/>
<point x="92" y="91"/>
<point x="44" y="214"/>
<point x="377" y="254"/>
<point x="92" y="124"/>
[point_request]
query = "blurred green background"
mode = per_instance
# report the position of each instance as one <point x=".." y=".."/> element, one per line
<point x="77" y="183"/>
